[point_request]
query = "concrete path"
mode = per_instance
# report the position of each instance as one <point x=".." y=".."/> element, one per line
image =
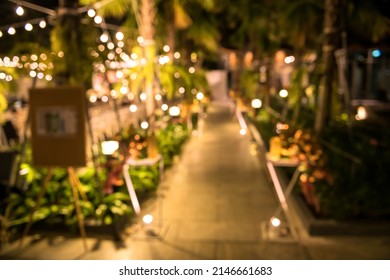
<point x="213" y="204"/>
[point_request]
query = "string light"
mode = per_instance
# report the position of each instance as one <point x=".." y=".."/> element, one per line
<point x="28" y="26"/>
<point x="91" y="13"/>
<point x="19" y="11"/>
<point x="11" y="31"/>
<point x="104" y="37"/>
<point x="119" y="36"/>
<point x="98" y="19"/>
<point x="42" y="24"/>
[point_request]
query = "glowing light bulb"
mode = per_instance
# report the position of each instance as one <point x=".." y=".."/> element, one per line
<point x="199" y="95"/>
<point x="119" y="36"/>
<point x="28" y="27"/>
<point x="144" y="125"/>
<point x="42" y="24"/>
<point x="275" y="222"/>
<point x="91" y="13"/>
<point x="104" y="37"/>
<point x="256" y="103"/>
<point x="133" y="108"/>
<point x="19" y="11"/>
<point x="147" y="219"/>
<point x="98" y="19"/>
<point x="11" y="31"/>
<point x="283" y="93"/>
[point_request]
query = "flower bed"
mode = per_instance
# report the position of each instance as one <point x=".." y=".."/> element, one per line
<point x="104" y="197"/>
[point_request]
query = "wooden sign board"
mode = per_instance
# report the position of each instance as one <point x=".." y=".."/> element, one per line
<point x="58" y="126"/>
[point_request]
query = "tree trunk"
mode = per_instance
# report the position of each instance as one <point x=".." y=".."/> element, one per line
<point x="147" y="30"/>
<point x="171" y="30"/>
<point x="332" y="42"/>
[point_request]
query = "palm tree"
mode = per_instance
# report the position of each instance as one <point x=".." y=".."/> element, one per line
<point x="331" y="42"/>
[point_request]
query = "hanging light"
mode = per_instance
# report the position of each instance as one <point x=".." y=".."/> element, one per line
<point x="133" y="108"/>
<point x="110" y="45"/>
<point x="199" y="95"/>
<point x="109" y="147"/>
<point x="11" y="31"/>
<point x="283" y="93"/>
<point x="256" y="103"/>
<point x="91" y="13"/>
<point x="98" y="19"/>
<point x="1" y="34"/>
<point x="28" y="26"/>
<point x="119" y="36"/>
<point x="19" y="10"/>
<point x="275" y="222"/>
<point x="42" y="24"/>
<point x="361" y="113"/>
<point x="144" y="125"/>
<point x="174" y="111"/>
<point x="147" y="219"/>
<point x="104" y="37"/>
<point x="143" y="96"/>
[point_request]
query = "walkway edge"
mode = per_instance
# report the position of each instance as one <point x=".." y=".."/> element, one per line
<point x="324" y="227"/>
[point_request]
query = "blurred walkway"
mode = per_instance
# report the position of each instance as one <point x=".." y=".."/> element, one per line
<point x="211" y="205"/>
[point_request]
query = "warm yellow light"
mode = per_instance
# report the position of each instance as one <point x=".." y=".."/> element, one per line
<point x="166" y="48"/>
<point x="109" y="147"/>
<point x="140" y="40"/>
<point x="91" y="13"/>
<point x="110" y="45"/>
<point x="164" y="107"/>
<point x="199" y="95"/>
<point x="147" y="219"/>
<point x="289" y="59"/>
<point x="119" y="74"/>
<point x="361" y="113"/>
<point x="33" y="74"/>
<point x="275" y="222"/>
<point x="243" y="131"/>
<point x="194" y="57"/>
<point x="176" y="55"/>
<point x="42" y="24"/>
<point x="144" y="125"/>
<point x="283" y="93"/>
<point x="104" y="98"/>
<point x="104" y="37"/>
<point x="143" y="96"/>
<point x="158" y="97"/>
<point x="256" y="103"/>
<point x="19" y="11"/>
<point x="124" y="90"/>
<point x="98" y="19"/>
<point x="28" y="27"/>
<point x="11" y="31"/>
<point x="119" y="36"/>
<point x="93" y="98"/>
<point x="174" y="111"/>
<point x="133" y="108"/>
